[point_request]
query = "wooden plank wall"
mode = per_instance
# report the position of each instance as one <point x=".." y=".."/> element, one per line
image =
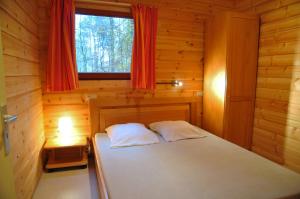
<point x="19" y="24"/>
<point x="277" y="116"/>
<point x="179" y="56"/>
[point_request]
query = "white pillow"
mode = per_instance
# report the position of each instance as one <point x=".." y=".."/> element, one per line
<point x="176" y="130"/>
<point x="130" y="134"/>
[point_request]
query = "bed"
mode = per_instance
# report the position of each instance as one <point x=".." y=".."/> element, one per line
<point x="208" y="167"/>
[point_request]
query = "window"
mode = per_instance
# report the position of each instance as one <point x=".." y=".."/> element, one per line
<point x="103" y="46"/>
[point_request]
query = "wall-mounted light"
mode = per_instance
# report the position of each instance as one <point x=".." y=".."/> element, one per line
<point x="175" y="83"/>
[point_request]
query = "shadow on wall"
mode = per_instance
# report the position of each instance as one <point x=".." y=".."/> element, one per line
<point x="291" y="145"/>
<point x="277" y="114"/>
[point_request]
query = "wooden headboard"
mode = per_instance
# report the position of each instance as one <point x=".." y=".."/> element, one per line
<point x="106" y="112"/>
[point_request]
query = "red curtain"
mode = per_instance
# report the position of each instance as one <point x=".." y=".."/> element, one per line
<point x="144" y="45"/>
<point x="61" y="71"/>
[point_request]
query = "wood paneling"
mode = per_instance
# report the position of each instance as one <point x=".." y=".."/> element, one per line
<point x="277" y="115"/>
<point x="179" y="56"/>
<point x="19" y="25"/>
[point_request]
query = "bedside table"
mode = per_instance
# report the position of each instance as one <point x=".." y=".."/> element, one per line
<point x="66" y="154"/>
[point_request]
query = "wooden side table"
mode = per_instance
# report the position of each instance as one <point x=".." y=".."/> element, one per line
<point x="70" y="153"/>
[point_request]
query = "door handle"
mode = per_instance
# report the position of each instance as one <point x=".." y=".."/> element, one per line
<point x="9" y="118"/>
<point x="6" y="119"/>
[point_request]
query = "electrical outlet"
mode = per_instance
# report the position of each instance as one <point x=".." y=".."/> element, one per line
<point x="199" y="93"/>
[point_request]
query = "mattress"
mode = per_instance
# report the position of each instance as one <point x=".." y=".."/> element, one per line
<point x="206" y="168"/>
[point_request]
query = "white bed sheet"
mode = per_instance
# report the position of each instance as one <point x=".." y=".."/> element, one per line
<point x="206" y="168"/>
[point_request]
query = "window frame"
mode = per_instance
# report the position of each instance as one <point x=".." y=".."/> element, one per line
<point x="103" y="76"/>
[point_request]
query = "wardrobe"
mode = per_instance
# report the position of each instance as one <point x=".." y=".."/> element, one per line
<point x="230" y="67"/>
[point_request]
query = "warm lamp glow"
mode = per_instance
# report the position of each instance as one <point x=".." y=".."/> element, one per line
<point x="218" y="85"/>
<point x="65" y="128"/>
<point x="178" y="83"/>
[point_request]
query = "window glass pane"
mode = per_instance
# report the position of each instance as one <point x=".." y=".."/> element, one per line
<point x="103" y="44"/>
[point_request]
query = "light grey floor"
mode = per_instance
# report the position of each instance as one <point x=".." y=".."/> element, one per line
<point x="70" y="184"/>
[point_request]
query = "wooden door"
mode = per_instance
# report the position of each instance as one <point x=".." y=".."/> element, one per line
<point x="7" y="189"/>
<point x="242" y="57"/>
<point x="241" y="79"/>
<point x="214" y="74"/>
<point x="239" y="122"/>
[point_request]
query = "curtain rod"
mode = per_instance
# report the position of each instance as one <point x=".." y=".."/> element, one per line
<point x="109" y="3"/>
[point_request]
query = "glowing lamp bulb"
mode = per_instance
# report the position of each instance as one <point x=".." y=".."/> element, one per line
<point x="65" y="126"/>
<point x="178" y="83"/>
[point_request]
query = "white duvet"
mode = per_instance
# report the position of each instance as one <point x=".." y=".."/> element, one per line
<point x="204" y="168"/>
